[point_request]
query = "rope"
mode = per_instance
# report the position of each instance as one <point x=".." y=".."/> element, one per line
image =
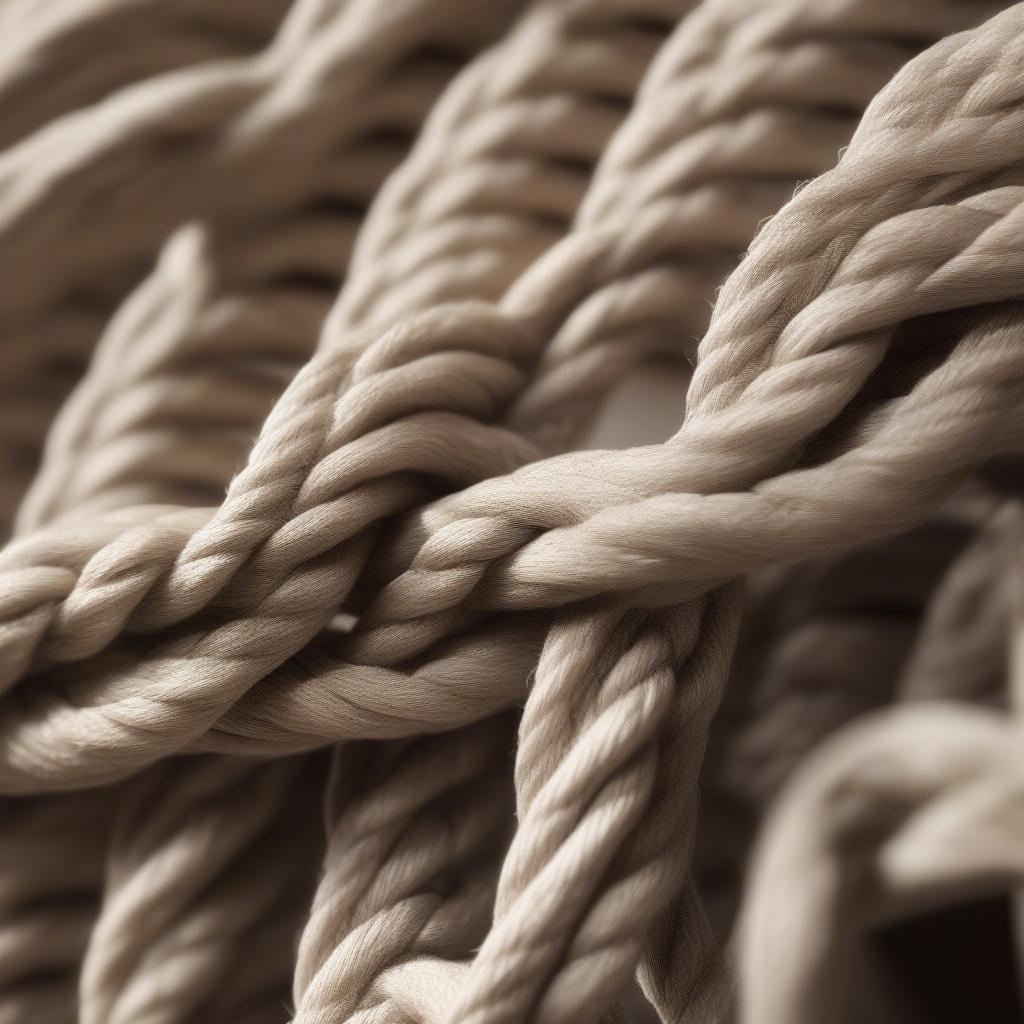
<point x="405" y="554"/>
<point x="201" y="900"/>
<point x="168" y="585"/>
<point x="822" y="643"/>
<point x="172" y="939"/>
<point x="89" y="178"/>
<point x="916" y="807"/>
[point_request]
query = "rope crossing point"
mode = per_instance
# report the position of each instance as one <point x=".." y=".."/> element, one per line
<point x="511" y="652"/>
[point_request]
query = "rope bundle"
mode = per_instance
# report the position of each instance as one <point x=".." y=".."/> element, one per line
<point x="412" y="549"/>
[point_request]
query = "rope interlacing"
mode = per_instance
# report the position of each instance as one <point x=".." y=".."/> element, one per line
<point x="386" y="702"/>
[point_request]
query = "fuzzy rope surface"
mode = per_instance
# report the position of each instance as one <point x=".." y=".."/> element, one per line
<point x="201" y="566"/>
<point x="521" y="652"/>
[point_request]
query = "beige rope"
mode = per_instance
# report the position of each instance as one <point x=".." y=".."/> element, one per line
<point x="823" y="642"/>
<point x="48" y="66"/>
<point x="409" y="875"/>
<point x="127" y="955"/>
<point x="96" y="611"/>
<point x="202" y="898"/>
<point x="654" y="857"/>
<point x="114" y="179"/>
<point x="523" y="942"/>
<point x="960" y="653"/>
<point x="375" y="960"/>
<point x="48" y="69"/>
<point x="94" y="638"/>
<point x="173" y="940"/>
<point x="863" y="359"/>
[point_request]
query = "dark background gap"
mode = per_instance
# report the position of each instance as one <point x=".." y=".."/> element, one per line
<point x="958" y="964"/>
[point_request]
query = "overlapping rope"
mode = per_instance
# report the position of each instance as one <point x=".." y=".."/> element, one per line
<point x="112" y="180"/>
<point x="129" y="939"/>
<point x="861" y="362"/>
<point x="147" y="570"/>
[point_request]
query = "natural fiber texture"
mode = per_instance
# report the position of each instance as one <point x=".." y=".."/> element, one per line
<point x="516" y="655"/>
<point x="149" y="145"/>
<point x="176" y="562"/>
<point x="112" y="920"/>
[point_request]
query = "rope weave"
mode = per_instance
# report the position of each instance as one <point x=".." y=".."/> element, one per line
<point x="216" y="123"/>
<point x="411" y="547"/>
<point x="146" y="596"/>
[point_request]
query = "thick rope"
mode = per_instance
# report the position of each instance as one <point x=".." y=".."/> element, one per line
<point x="121" y="966"/>
<point x="822" y="643"/>
<point x="127" y="956"/>
<point x="48" y="66"/>
<point x="502" y="993"/>
<point x="313" y="394"/>
<point x="528" y="943"/>
<point x="402" y="974"/>
<point x="48" y="69"/>
<point x="173" y="939"/>
<point x="210" y="558"/>
<point x="409" y="874"/>
<point x="863" y="359"/>
<point x="202" y="899"/>
<point x="112" y="180"/>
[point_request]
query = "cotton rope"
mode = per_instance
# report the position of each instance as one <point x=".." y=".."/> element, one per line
<point x="854" y="401"/>
<point x="120" y="957"/>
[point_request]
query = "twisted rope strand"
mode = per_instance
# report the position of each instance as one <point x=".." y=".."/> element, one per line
<point x="88" y="199"/>
<point x="410" y="869"/>
<point x="199" y="888"/>
<point x="862" y="361"/>
<point x="199" y="916"/>
<point x="197" y="574"/>
<point x="202" y="584"/>
<point x="418" y="985"/>
<point x="500" y="969"/>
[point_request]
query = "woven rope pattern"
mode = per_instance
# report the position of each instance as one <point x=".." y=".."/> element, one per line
<point x="339" y="287"/>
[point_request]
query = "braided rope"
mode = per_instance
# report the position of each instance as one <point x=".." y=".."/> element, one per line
<point x="111" y="181"/>
<point x="502" y="991"/>
<point x="312" y="396"/>
<point x="146" y="411"/>
<point x="409" y="874"/>
<point x="128" y="955"/>
<point x="196" y="573"/>
<point x="861" y="361"/>
<point x="612" y="760"/>
<point x="174" y="938"/>
<point x="382" y="962"/>
<point x="47" y="69"/>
